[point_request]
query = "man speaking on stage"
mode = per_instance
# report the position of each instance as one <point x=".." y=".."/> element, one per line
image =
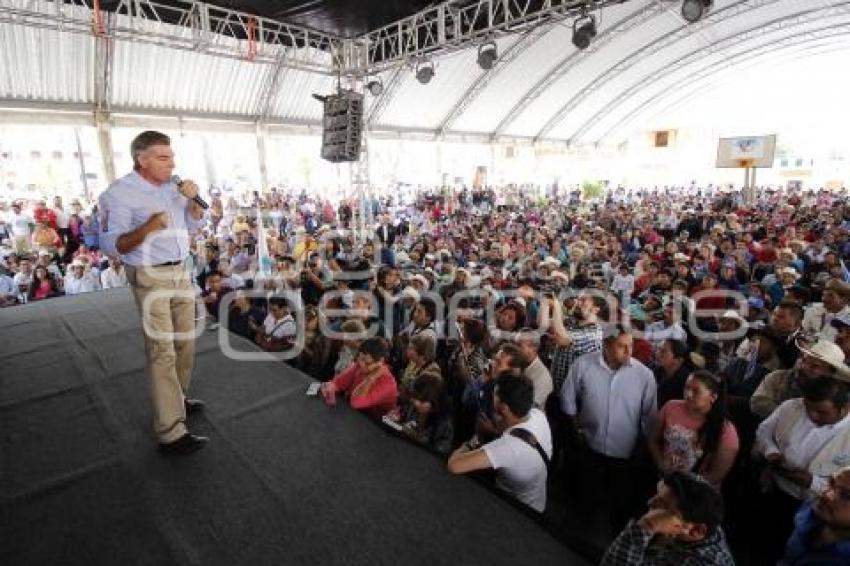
<point x="146" y="217"/>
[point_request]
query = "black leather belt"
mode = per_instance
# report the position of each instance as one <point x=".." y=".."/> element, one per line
<point x="167" y="263"/>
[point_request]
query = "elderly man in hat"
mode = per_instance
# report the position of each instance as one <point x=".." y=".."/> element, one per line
<point x="818" y="317"/>
<point x="821" y="359"/>
<point x="79" y="279"/>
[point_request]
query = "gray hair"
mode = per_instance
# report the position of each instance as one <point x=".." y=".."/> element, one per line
<point x="528" y="335"/>
<point x="145" y="140"/>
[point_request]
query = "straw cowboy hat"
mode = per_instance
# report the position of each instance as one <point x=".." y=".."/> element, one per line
<point x="839" y="287"/>
<point x="830" y="353"/>
<point x="410" y="293"/>
<point x="788" y="271"/>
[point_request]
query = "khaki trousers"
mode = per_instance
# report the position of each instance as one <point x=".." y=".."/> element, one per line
<point x="21" y="244"/>
<point x="165" y="299"/>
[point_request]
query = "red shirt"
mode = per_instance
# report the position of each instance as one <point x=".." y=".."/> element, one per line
<point x="642" y="283"/>
<point x="642" y="351"/>
<point x="44" y="214"/>
<point x="381" y="398"/>
<point x="43" y="291"/>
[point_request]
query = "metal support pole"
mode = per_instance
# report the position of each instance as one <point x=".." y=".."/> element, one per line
<point x="359" y="173"/>
<point x="753" y="184"/>
<point x="104" y="144"/>
<point x="749" y="190"/>
<point x="441" y="170"/>
<point x="262" y="134"/>
<point x="209" y="164"/>
<point x="83" y="176"/>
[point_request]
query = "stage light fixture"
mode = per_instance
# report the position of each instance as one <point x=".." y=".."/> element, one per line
<point x="584" y="30"/>
<point x="375" y="87"/>
<point x="694" y="10"/>
<point x="487" y="55"/>
<point x="424" y="73"/>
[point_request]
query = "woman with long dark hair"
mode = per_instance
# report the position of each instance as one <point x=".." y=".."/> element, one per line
<point x="694" y="434"/>
<point x="43" y="285"/>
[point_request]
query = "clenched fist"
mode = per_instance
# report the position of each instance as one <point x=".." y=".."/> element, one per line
<point x="157" y="221"/>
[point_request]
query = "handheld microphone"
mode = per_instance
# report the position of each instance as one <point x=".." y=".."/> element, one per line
<point x="198" y="200"/>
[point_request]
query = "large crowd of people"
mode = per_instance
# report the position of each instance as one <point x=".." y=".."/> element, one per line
<point x="673" y="361"/>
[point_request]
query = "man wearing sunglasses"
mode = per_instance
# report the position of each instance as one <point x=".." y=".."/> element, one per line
<point x="822" y="526"/>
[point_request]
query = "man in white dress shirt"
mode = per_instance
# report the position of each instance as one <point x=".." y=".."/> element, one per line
<point x="146" y="219"/>
<point x="79" y="280"/>
<point x="799" y="434"/>
<point x="114" y="275"/>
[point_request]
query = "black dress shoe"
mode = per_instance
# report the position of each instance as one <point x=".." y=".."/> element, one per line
<point x="193" y="406"/>
<point x="186" y="444"/>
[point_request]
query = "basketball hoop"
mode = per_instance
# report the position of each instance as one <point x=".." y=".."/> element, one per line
<point x="745" y="163"/>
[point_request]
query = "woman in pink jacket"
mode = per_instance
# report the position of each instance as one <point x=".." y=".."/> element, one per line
<point x="368" y="384"/>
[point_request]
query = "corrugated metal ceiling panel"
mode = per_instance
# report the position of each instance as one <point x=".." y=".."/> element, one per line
<point x="294" y="100"/>
<point x="45" y="65"/>
<point x="150" y="76"/>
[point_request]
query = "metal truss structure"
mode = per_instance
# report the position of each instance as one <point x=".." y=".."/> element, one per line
<point x="189" y="25"/>
<point x="393" y="50"/>
<point x="197" y="26"/>
<point x="450" y="26"/>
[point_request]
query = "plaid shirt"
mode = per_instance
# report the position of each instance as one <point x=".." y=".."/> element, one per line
<point x="586" y="339"/>
<point x="638" y="547"/>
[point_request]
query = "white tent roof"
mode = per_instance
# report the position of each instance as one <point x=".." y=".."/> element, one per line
<point x="644" y="59"/>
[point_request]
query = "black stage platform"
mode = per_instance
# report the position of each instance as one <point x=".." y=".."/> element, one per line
<point x="285" y="479"/>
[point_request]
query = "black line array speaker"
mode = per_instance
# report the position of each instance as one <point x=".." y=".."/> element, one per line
<point x="342" y="127"/>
